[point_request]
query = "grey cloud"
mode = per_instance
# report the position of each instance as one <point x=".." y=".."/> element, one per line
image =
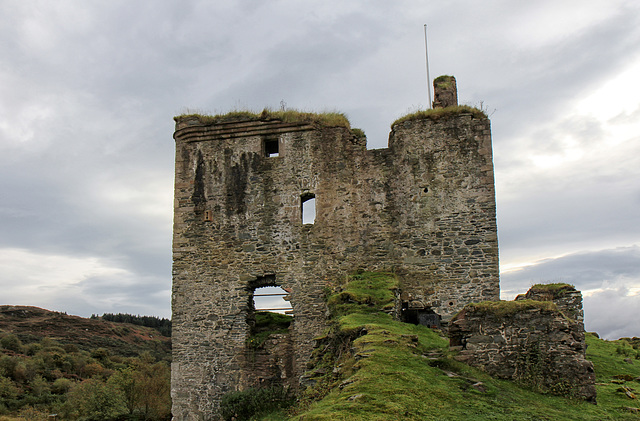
<point x="88" y="92"/>
<point x="606" y="276"/>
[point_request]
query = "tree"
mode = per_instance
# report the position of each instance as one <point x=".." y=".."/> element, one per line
<point x="8" y="390"/>
<point x="146" y="388"/>
<point x="11" y="342"/>
<point x="94" y="400"/>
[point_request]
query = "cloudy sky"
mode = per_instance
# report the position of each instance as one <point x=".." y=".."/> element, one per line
<point x="88" y="91"/>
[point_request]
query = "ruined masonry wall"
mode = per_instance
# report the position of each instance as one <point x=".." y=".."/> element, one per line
<point x="539" y="345"/>
<point x="423" y="207"/>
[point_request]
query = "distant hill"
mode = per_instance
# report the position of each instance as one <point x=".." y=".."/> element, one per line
<point x="31" y="324"/>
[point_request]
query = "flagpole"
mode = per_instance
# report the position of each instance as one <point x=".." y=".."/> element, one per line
<point x="426" y="50"/>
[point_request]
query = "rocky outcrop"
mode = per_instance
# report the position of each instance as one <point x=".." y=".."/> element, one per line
<point x="539" y="343"/>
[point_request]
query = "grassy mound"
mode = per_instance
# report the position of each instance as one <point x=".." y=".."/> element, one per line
<point x="371" y="367"/>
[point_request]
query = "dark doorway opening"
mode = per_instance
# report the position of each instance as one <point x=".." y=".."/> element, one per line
<point x="269" y="348"/>
<point x="420" y="316"/>
<point x="271" y="147"/>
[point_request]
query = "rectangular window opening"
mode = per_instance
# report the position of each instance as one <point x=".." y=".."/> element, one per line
<point x="271" y="148"/>
<point x="308" y="208"/>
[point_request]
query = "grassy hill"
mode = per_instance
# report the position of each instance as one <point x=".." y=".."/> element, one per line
<point x="31" y="324"/>
<point x="370" y="367"/>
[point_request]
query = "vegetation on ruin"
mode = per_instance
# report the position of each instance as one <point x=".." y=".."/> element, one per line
<point x="371" y="367"/>
<point x="441" y="113"/>
<point x="266" y="324"/>
<point x="359" y="133"/>
<point x="443" y="81"/>
<point x="254" y="402"/>
<point x="330" y="119"/>
<point x="557" y="289"/>
<point x="504" y="308"/>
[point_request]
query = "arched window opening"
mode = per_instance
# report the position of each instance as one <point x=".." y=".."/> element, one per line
<point x="308" y="208"/>
<point x="269" y="345"/>
<point x="272" y="298"/>
<point x="269" y="307"/>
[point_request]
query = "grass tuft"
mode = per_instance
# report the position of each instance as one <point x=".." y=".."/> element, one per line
<point x="329" y="119"/>
<point x="441" y="113"/>
<point x="505" y="308"/>
<point x="557" y="289"/>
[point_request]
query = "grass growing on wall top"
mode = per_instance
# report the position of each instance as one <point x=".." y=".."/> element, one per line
<point x="443" y="81"/>
<point x="330" y="119"/>
<point x="556" y="289"/>
<point x="503" y="308"/>
<point x="438" y="113"/>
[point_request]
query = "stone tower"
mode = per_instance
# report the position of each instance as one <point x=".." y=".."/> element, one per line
<point x="424" y="208"/>
<point x="445" y="92"/>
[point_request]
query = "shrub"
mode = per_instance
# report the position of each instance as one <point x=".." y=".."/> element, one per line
<point x="7" y="366"/>
<point x="254" y="401"/>
<point x="94" y="400"/>
<point x="61" y="386"/>
<point x="12" y="343"/>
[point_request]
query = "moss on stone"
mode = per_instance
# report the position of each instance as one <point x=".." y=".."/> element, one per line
<point x="507" y="308"/>
<point x="443" y="81"/>
<point x="364" y="292"/>
<point x="330" y="119"/>
<point x="438" y="113"/>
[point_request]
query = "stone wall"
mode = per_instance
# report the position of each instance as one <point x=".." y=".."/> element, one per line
<point x="271" y="363"/>
<point x="424" y="207"/>
<point x="566" y="297"/>
<point x="532" y="342"/>
<point x="445" y="92"/>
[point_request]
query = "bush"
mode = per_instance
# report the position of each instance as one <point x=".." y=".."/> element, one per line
<point x="7" y="389"/>
<point x="12" y="343"/>
<point x="61" y="386"/>
<point x="254" y="401"/>
<point x="94" y="400"/>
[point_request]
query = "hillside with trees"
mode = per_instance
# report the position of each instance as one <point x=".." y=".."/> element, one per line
<point x="81" y="369"/>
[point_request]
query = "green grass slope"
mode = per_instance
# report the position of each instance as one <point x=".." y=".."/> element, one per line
<point x="371" y="367"/>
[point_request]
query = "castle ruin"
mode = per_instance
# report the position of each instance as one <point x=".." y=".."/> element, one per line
<point x="424" y="208"/>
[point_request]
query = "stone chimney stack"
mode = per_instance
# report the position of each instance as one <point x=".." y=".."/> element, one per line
<point x="445" y="92"/>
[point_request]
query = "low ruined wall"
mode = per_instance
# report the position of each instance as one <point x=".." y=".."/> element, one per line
<point x="271" y="363"/>
<point x="529" y="341"/>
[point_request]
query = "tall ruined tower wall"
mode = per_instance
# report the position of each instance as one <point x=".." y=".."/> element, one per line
<point x="423" y="207"/>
